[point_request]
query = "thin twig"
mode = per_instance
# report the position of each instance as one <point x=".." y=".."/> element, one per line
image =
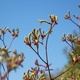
<point x="41" y="43"/>
<point x="8" y="77"/>
<point x="11" y="42"/>
<point x="75" y="23"/>
<point x="3" y="67"/>
<point x="2" y="41"/>
<point x="38" y="54"/>
<point x="3" y="36"/>
<point x="71" y="46"/>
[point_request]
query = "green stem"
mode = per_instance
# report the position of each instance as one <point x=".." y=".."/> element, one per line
<point x="51" y="27"/>
<point x="47" y="56"/>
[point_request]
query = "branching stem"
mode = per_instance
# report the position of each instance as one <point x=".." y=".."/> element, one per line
<point x="51" y="26"/>
<point x="2" y="41"/>
<point x="47" y="56"/>
<point x="11" y="42"/>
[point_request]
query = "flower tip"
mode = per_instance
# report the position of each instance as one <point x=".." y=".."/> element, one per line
<point x="41" y="21"/>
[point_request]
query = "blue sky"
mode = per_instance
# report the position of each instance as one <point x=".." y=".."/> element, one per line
<point x="24" y="14"/>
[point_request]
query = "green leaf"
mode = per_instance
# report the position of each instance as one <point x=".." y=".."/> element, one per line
<point x="70" y="55"/>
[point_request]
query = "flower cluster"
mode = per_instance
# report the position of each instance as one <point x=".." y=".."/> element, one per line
<point x="14" y="61"/>
<point x="68" y="17"/>
<point x="36" y="37"/>
<point x="3" y="31"/>
<point x="69" y="38"/>
<point x="14" y="32"/>
<point x="53" y="18"/>
<point x="74" y="40"/>
<point x="11" y="59"/>
<point x="35" y="73"/>
<point x="36" y="34"/>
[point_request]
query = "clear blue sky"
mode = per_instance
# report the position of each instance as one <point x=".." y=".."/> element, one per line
<point x="24" y="14"/>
